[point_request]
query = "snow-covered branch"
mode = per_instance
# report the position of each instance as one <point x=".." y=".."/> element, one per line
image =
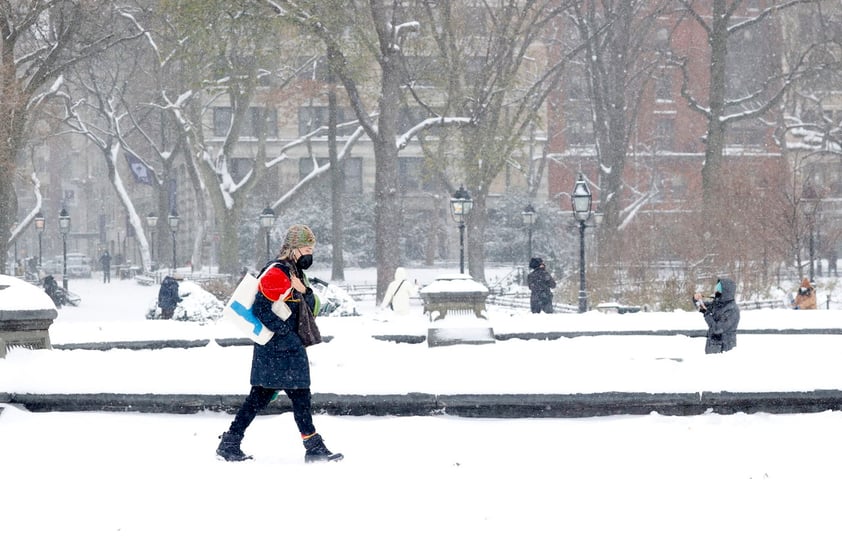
<point x="430" y="122"/>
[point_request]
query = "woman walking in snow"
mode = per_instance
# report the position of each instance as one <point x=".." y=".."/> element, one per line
<point x="282" y="363"/>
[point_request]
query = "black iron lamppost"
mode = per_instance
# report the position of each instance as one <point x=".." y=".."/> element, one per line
<point x="582" y="200"/>
<point x="151" y="222"/>
<point x="39" y="224"/>
<point x="810" y="205"/>
<point x="64" y="228"/>
<point x="267" y="220"/>
<point x="460" y="206"/>
<point x="172" y="219"/>
<point x="528" y="216"/>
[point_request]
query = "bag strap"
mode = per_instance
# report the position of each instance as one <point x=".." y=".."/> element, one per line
<point x="268" y="265"/>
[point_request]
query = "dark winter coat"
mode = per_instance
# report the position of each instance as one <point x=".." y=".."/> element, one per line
<point x="168" y="294"/>
<point x="722" y="316"/>
<point x="282" y="362"/>
<point x="541" y="283"/>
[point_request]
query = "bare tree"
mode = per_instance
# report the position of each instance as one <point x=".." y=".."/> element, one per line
<point x="96" y="107"/>
<point x="229" y="63"/>
<point x="498" y="69"/>
<point x="620" y="60"/>
<point x="735" y="92"/>
<point x="326" y="20"/>
<point x="40" y="39"/>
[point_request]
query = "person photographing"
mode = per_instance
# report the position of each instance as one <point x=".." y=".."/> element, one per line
<point x="722" y="316"/>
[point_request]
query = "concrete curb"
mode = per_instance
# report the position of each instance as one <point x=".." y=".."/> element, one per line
<point x="416" y="339"/>
<point x="463" y="405"/>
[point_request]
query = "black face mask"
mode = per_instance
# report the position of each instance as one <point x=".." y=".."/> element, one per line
<point x="304" y="262"/>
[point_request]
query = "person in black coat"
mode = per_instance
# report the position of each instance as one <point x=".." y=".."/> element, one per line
<point x="722" y="316"/>
<point x="168" y="297"/>
<point x="540" y="283"/>
<point x="105" y="261"/>
<point x="282" y="363"/>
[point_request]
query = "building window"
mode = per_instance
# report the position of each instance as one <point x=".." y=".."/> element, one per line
<point x="409" y="116"/>
<point x="745" y="134"/>
<point x="222" y="117"/>
<point x="311" y="118"/>
<point x="662" y="39"/>
<point x="353" y="168"/>
<point x="578" y="128"/>
<point x="474" y="68"/>
<point x="353" y="176"/>
<point x="664" y="131"/>
<point x="576" y="85"/>
<point x="221" y="121"/>
<point x="663" y="87"/>
<point x="312" y="68"/>
<point x="252" y="122"/>
<point x="413" y="175"/>
<point x="239" y="168"/>
<point x="420" y="71"/>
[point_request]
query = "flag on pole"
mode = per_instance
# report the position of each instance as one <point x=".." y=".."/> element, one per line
<point x="142" y="173"/>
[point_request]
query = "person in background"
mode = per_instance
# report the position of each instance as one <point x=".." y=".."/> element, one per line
<point x="805" y="298"/>
<point x="105" y="261"/>
<point x="722" y="316"/>
<point x="398" y="293"/>
<point x="282" y="363"/>
<point x="540" y="283"/>
<point x="168" y="297"/>
<point x="52" y="290"/>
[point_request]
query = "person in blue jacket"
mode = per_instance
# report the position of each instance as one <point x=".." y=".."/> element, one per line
<point x="282" y="363"/>
<point x="722" y="316"/>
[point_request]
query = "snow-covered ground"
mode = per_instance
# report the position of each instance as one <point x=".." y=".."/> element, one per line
<point x="101" y="473"/>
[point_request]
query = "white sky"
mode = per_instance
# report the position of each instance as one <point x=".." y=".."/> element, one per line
<point x="125" y="473"/>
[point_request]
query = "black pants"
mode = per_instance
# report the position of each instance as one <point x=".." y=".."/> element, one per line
<point x="259" y="397"/>
<point x="540" y="304"/>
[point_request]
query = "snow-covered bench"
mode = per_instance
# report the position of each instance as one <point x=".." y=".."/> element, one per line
<point x="456" y="293"/>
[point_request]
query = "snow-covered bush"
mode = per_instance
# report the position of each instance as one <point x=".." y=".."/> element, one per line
<point x="196" y="305"/>
<point x="334" y="300"/>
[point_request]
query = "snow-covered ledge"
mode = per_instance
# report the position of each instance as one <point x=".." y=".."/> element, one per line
<point x="464" y="299"/>
<point x="26" y="313"/>
<point x="454" y="293"/>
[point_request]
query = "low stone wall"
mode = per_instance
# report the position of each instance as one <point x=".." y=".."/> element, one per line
<point x="26" y="328"/>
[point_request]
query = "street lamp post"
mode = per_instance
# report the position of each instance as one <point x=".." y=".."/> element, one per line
<point x="39" y="224"/>
<point x="267" y="220"/>
<point x="151" y="222"/>
<point x="528" y="216"/>
<point x="172" y="219"/>
<point x="582" y="200"/>
<point x="460" y="206"/>
<point x="64" y="228"/>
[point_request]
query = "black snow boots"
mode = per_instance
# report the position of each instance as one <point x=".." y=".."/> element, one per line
<point x="318" y="452"/>
<point x="229" y="448"/>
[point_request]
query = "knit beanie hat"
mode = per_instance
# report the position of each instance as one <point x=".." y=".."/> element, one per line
<point x="298" y="236"/>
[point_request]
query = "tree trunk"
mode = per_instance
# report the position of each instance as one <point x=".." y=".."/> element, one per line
<point x="337" y="188"/>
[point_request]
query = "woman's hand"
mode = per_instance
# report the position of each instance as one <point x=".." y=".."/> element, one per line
<point x="297" y="284"/>
<point x="697" y="297"/>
